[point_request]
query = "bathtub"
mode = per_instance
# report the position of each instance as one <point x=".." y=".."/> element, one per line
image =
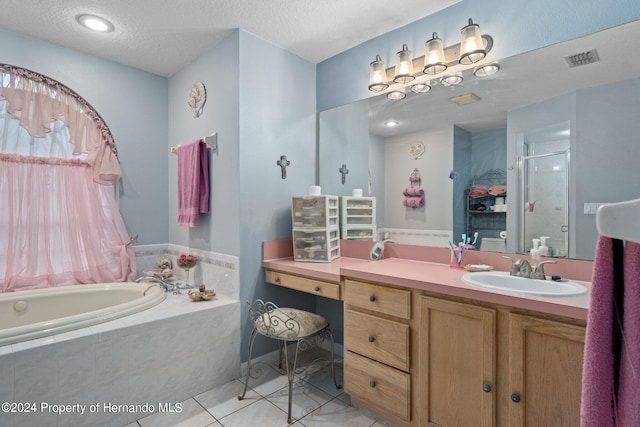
<point x="26" y="315"/>
<point x="160" y="356"/>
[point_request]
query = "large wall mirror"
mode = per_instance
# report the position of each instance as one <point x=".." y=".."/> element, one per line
<point x="568" y="138"/>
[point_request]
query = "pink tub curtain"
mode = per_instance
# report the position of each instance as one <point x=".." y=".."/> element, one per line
<point x="59" y="226"/>
<point x="37" y="101"/>
<point x="59" y="221"/>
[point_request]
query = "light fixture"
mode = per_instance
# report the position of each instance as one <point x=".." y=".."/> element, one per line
<point x="378" y="79"/>
<point x="472" y="47"/>
<point x="451" y="80"/>
<point x="396" y="80"/>
<point x="396" y="94"/>
<point x="95" y="23"/>
<point x="434" y="58"/>
<point x="391" y="123"/>
<point x="486" y="70"/>
<point x="404" y="66"/>
<point x="423" y="87"/>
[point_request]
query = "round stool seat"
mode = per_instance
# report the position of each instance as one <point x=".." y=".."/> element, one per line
<point x="289" y="323"/>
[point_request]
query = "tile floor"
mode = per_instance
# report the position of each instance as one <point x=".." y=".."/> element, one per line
<point x="316" y="402"/>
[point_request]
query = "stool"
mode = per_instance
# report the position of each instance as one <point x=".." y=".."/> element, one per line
<point x="286" y="325"/>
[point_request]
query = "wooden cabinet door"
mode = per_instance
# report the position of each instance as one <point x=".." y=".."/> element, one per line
<point x="545" y="372"/>
<point x="457" y="364"/>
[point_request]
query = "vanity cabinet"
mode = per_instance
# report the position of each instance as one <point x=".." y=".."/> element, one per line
<point x="377" y="347"/>
<point x="455" y="362"/>
<point x="458" y="358"/>
<point x="417" y="357"/>
<point x="545" y="372"/>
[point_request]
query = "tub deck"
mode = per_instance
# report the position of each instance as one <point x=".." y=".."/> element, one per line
<point x="165" y="354"/>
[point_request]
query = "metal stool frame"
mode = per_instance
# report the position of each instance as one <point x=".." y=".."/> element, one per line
<point x="270" y="321"/>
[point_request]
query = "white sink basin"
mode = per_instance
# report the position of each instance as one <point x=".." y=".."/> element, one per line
<point x="502" y="281"/>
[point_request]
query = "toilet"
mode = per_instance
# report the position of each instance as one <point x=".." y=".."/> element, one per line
<point x="493" y="244"/>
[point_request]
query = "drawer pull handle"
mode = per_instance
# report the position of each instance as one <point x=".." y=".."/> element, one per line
<point x="372" y="383"/>
<point x="371" y="338"/>
<point x="277" y="279"/>
<point x="515" y="398"/>
<point x="372" y="298"/>
<point x="486" y="388"/>
<point x="317" y="288"/>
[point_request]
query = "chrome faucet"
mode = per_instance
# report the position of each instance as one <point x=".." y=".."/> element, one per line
<point x="158" y="282"/>
<point x="522" y="268"/>
<point x="519" y="267"/>
<point x="539" y="273"/>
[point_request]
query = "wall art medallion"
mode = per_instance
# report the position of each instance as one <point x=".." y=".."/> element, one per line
<point x="197" y="98"/>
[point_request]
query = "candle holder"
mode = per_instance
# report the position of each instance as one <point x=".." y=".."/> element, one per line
<point x="187" y="262"/>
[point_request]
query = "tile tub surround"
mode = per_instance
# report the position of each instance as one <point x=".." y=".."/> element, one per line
<point x="215" y="270"/>
<point x="163" y="355"/>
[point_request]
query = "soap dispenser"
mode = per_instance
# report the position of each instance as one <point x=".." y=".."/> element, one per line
<point x="535" y="254"/>
<point x="544" y="250"/>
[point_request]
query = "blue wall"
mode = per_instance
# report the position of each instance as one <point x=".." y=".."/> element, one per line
<point x="517" y="26"/>
<point x="277" y="116"/>
<point x="133" y="103"/>
<point x="259" y="115"/>
<point x="218" y="70"/>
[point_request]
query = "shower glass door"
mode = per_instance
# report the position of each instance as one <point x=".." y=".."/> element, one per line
<point x="545" y="195"/>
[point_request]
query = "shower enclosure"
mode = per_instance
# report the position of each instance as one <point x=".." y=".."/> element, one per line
<point x="544" y="189"/>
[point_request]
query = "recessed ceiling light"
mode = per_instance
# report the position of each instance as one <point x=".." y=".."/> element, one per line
<point x="95" y="23"/>
<point x="391" y="123"/>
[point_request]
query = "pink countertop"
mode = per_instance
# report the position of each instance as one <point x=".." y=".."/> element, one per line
<point x="427" y="269"/>
<point x="431" y="277"/>
<point x="442" y="279"/>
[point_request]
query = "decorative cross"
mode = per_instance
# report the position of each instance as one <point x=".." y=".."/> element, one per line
<point x="283" y="163"/>
<point x="344" y="171"/>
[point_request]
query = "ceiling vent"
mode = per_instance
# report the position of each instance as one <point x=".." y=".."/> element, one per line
<point x="583" y="58"/>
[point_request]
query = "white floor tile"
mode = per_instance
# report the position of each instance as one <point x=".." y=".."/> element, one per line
<point x="305" y="399"/>
<point x="337" y="413"/>
<point x="191" y="415"/>
<point x="262" y="413"/>
<point x="223" y="400"/>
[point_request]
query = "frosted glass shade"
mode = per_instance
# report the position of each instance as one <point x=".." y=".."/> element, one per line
<point x="404" y="66"/>
<point x="378" y="78"/>
<point x="472" y="46"/>
<point x="434" y="58"/>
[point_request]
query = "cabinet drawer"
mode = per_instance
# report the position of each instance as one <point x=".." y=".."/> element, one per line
<point x="311" y="286"/>
<point x="383" y="340"/>
<point x="386" y="388"/>
<point x="381" y="299"/>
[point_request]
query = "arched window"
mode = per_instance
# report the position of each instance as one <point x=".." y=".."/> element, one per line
<point x="59" y="221"/>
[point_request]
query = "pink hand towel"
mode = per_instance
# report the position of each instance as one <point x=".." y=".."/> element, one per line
<point x="598" y="384"/>
<point x="193" y="182"/>
<point x="629" y="389"/>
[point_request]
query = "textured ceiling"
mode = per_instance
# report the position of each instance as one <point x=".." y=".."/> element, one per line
<point x="162" y="36"/>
